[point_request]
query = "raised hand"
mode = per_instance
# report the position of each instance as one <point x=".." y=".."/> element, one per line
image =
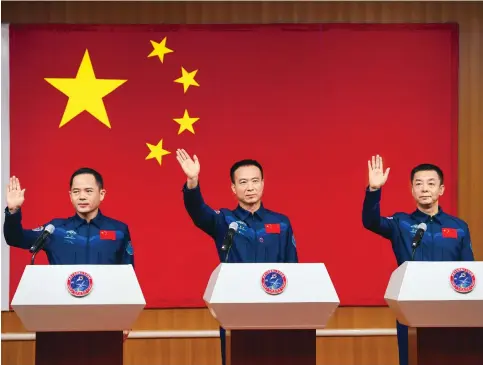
<point x="377" y="175"/>
<point x="191" y="167"/>
<point x="15" y="194"/>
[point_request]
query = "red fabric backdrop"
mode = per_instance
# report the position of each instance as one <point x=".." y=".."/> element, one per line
<point x="312" y="103"/>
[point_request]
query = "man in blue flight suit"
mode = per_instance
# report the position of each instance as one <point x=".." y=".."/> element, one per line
<point x="447" y="238"/>
<point x="262" y="235"/>
<point x="88" y="237"/>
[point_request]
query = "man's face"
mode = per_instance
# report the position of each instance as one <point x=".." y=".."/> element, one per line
<point x="85" y="194"/>
<point x="426" y="187"/>
<point x="248" y="186"/>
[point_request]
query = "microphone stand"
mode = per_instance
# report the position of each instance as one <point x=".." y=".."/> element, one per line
<point x="414" y="251"/>
<point x="418" y="237"/>
<point x="32" y="260"/>
<point x="40" y="242"/>
<point x="415" y="246"/>
<point x="36" y="248"/>
<point x="228" y="251"/>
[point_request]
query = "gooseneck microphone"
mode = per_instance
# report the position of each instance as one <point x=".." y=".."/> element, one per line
<point x="228" y="241"/>
<point x="418" y="236"/>
<point x="40" y="241"/>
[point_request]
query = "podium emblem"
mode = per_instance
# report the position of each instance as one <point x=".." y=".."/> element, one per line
<point x="273" y="282"/>
<point x="462" y="280"/>
<point x="79" y="284"/>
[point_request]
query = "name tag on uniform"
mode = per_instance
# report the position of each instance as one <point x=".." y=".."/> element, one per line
<point x="272" y="228"/>
<point x="108" y="235"/>
<point x="450" y="233"/>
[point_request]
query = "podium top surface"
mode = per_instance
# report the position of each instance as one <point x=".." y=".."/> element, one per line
<point x="437" y="294"/>
<point x="436" y="281"/>
<point x="78" y="285"/>
<point x="271" y="295"/>
<point x="245" y="282"/>
<point x="57" y="298"/>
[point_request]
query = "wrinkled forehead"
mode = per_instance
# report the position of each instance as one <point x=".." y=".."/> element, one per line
<point x="426" y="176"/>
<point x="247" y="173"/>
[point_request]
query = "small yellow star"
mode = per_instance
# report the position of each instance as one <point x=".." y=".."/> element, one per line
<point x="157" y="151"/>
<point x="186" y="123"/>
<point x="85" y="92"/>
<point x="187" y="79"/>
<point x="160" y="49"/>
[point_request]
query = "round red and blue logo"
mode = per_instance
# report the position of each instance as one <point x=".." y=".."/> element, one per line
<point x="79" y="284"/>
<point x="462" y="280"/>
<point x="274" y="282"/>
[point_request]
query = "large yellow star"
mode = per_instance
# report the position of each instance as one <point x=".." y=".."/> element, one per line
<point x="160" y="49"/>
<point x="187" y="79"/>
<point x="186" y="123"/>
<point x="157" y="151"/>
<point x="85" y="92"/>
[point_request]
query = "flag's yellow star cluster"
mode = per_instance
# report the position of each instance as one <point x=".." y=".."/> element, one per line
<point x="85" y="92"/>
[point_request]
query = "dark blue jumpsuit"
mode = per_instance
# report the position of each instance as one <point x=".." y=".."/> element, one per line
<point x="102" y="241"/>
<point x="263" y="236"/>
<point x="400" y="229"/>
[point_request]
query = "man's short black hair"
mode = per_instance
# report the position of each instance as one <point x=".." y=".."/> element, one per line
<point x="88" y="170"/>
<point x="241" y="163"/>
<point x="428" y="167"/>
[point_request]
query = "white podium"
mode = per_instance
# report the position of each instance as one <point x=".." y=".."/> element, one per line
<point x="78" y="311"/>
<point x="442" y="304"/>
<point x="271" y="310"/>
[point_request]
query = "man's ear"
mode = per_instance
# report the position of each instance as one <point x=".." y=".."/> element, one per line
<point x="103" y="194"/>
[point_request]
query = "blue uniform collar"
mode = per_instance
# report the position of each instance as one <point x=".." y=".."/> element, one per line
<point x="243" y="213"/>
<point x="423" y="217"/>
<point x="97" y="221"/>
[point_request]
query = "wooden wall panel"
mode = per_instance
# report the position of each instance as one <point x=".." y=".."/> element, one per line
<point x="337" y="351"/>
<point x="206" y="351"/>
<point x="380" y="350"/>
<point x="201" y="319"/>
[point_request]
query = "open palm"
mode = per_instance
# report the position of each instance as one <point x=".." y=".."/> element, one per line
<point x="191" y="167"/>
<point x="377" y="176"/>
<point x="15" y="194"/>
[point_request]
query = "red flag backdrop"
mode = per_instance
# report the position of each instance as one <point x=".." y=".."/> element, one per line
<point x="312" y="103"/>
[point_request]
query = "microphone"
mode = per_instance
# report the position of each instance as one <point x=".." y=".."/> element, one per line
<point x="40" y="241"/>
<point x="228" y="241"/>
<point x="418" y="236"/>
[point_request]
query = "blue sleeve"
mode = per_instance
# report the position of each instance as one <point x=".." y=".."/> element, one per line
<point x="290" y="247"/>
<point x="371" y="215"/>
<point x="128" y="251"/>
<point x="14" y="233"/>
<point x="467" y="249"/>
<point x="201" y="214"/>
